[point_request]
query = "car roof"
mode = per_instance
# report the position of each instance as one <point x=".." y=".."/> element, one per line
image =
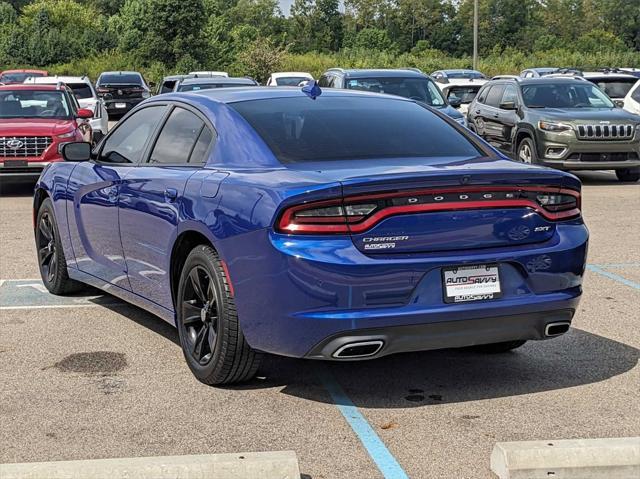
<point x="29" y="86"/>
<point x="233" y="95"/>
<point x="540" y="80"/>
<point x="52" y="80"/>
<point x="607" y="75"/>
<point x="382" y="72"/>
<point x="218" y="80"/>
<point x="277" y="75"/>
<point x="27" y="70"/>
<point x="120" y="72"/>
<point x="541" y="69"/>
<point x="175" y="77"/>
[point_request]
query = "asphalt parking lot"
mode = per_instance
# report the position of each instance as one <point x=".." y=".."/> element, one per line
<point x="90" y="377"/>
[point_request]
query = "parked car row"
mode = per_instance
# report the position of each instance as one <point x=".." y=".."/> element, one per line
<point x="452" y="93"/>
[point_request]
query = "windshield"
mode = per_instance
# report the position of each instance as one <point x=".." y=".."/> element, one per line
<point x="347" y="128"/>
<point x="81" y="90"/>
<point x="615" y="87"/>
<point x="420" y="89"/>
<point x="290" y="81"/>
<point x="466" y="94"/>
<point x="120" y="79"/>
<point x="18" y="77"/>
<point x="34" y="104"/>
<point x="564" y="95"/>
<point x="208" y="86"/>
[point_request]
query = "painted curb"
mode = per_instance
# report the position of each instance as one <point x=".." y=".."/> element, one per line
<point x="250" y="465"/>
<point x="615" y="458"/>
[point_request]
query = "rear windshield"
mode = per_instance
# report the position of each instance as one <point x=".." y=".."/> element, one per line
<point x="209" y="86"/>
<point x="124" y="79"/>
<point x="81" y="90"/>
<point x="465" y="74"/>
<point x="342" y="128"/>
<point x="466" y="94"/>
<point x="420" y="89"/>
<point x="290" y="81"/>
<point x="615" y="87"/>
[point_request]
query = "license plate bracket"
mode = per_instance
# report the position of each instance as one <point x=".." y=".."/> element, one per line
<point x="461" y="284"/>
<point x="15" y="163"/>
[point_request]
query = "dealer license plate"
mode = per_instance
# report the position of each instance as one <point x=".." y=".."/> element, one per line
<point x="121" y="105"/>
<point x="15" y="163"/>
<point x="471" y="283"/>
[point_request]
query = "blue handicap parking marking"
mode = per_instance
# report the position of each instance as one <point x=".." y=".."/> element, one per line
<point x="604" y="270"/>
<point x="31" y="293"/>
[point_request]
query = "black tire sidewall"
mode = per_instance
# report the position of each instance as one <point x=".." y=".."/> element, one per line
<point x="628" y="174"/>
<point x="201" y="257"/>
<point x="60" y="276"/>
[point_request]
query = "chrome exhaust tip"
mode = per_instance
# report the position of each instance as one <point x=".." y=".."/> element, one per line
<point x="556" y="329"/>
<point x="356" y="350"/>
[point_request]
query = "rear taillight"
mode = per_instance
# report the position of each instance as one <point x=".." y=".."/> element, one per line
<point x="357" y="214"/>
<point x="102" y="91"/>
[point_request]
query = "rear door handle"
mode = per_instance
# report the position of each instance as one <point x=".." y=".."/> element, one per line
<point x="170" y="194"/>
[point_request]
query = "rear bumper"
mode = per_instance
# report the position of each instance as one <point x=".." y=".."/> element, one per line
<point x="446" y="334"/>
<point x="296" y="295"/>
<point x="129" y="103"/>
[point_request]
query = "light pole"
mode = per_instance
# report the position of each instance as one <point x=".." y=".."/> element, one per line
<point x="475" y="34"/>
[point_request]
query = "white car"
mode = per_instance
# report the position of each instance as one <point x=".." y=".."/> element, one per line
<point x="464" y="89"/>
<point x="632" y="100"/>
<point x="288" y="78"/>
<point x="87" y="98"/>
<point x="206" y="74"/>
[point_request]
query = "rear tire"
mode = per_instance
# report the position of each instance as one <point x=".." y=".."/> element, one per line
<point x="526" y="151"/>
<point x="628" y="174"/>
<point x="212" y="342"/>
<point x="51" y="260"/>
<point x="497" y="348"/>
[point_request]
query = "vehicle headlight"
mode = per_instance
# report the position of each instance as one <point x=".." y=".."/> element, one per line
<point x="67" y="135"/>
<point x="146" y="94"/>
<point x="554" y="126"/>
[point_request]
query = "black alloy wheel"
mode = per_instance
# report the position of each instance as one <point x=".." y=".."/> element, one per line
<point x="200" y="314"/>
<point x="46" y="242"/>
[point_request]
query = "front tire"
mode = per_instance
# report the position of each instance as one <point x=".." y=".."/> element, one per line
<point x="51" y="260"/>
<point x="526" y="151"/>
<point x="497" y="348"/>
<point x="628" y="174"/>
<point x="212" y="342"/>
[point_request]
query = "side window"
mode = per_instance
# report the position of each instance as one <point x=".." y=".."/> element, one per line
<point x="177" y="138"/>
<point x="75" y="106"/>
<point x="127" y="143"/>
<point x="510" y="95"/>
<point x="495" y="95"/>
<point x="324" y="81"/>
<point x="167" y="86"/>
<point x="201" y="147"/>
<point x="636" y="94"/>
<point x="482" y="96"/>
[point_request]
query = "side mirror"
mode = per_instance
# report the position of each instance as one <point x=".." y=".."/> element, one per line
<point x="618" y="103"/>
<point x="455" y="102"/>
<point x="508" y="105"/>
<point x="76" y="151"/>
<point x="85" y="113"/>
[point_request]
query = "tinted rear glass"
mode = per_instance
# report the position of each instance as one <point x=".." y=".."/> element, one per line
<point x="465" y="93"/>
<point x="343" y="128"/>
<point x="290" y="81"/>
<point x="615" y="87"/>
<point x="81" y="90"/>
<point x="420" y="89"/>
<point x="125" y="78"/>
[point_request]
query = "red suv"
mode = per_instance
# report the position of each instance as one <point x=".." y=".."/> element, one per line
<point x="35" y="120"/>
<point x="8" y="77"/>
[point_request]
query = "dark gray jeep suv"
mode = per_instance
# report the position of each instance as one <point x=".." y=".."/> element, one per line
<point x="565" y="123"/>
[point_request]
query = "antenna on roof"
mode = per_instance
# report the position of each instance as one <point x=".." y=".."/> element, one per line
<point x="312" y="89"/>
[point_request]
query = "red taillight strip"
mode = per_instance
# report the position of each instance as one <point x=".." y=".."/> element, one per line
<point x="288" y="222"/>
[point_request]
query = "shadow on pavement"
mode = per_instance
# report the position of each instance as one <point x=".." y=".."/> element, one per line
<point x="17" y="188"/>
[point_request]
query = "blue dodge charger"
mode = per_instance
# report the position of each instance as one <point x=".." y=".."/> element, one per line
<point x="336" y="225"/>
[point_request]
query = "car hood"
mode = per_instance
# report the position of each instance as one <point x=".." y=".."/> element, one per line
<point x="34" y="127"/>
<point x="450" y="111"/>
<point x="587" y="114"/>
